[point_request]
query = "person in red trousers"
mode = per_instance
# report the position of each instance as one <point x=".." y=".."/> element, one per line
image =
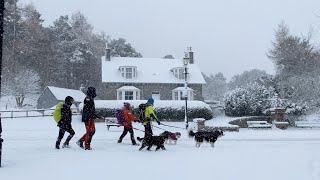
<point x="88" y="117"/>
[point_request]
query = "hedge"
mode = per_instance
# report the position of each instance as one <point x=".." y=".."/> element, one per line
<point x="166" y="114"/>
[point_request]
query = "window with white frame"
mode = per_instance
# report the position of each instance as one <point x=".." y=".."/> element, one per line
<point x="129" y="72"/>
<point x="128" y="93"/>
<point x="178" y="95"/>
<point x="178" y="73"/>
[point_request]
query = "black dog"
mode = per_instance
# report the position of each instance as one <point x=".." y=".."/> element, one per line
<point x="208" y="136"/>
<point x="152" y="140"/>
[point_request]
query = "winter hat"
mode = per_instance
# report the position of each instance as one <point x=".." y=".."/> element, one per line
<point x="69" y="100"/>
<point x="150" y="101"/>
<point x="91" y="92"/>
<point x="126" y="105"/>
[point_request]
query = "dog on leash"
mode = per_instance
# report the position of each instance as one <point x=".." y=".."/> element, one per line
<point x="206" y="136"/>
<point x="150" y="141"/>
<point x="171" y="137"/>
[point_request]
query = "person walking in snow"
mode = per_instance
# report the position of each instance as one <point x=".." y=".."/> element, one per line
<point x="65" y="123"/>
<point x="127" y="124"/>
<point x="149" y="116"/>
<point x="88" y="117"/>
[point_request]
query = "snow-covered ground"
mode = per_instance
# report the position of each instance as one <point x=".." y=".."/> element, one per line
<point x="29" y="154"/>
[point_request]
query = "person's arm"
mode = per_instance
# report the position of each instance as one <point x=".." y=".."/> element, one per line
<point x="64" y="114"/>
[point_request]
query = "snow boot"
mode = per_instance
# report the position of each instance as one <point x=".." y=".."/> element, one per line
<point x="80" y="144"/>
<point x="120" y="140"/>
<point x="65" y="145"/>
<point x="88" y="148"/>
<point x="135" y="143"/>
<point x="57" y="146"/>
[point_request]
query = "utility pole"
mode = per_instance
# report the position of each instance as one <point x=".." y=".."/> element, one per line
<point x="1" y="41"/>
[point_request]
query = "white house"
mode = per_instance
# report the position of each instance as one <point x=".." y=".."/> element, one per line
<point x="127" y="78"/>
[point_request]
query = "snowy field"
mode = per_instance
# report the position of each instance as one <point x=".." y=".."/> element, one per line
<point x="29" y="154"/>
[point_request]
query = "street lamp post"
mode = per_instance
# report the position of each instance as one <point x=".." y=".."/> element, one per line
<point x="185" y="93"/>
<point x="1" y="38"/>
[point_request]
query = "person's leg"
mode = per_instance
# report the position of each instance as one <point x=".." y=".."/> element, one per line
<point x="132" y="136"/>
<point x="147" y="130"/>
<point x="92" y="130"/>
<point x="60" y="136"/>
<point x="125" y="131"/>
<point x="83" y="138"/>
<point x="71" y="134"/>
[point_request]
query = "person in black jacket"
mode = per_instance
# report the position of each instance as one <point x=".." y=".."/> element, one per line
<point x="65" y="123"/>
<point x="88" y="116"/>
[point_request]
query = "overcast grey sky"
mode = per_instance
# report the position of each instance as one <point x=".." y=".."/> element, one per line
<point x="228" y="36"/>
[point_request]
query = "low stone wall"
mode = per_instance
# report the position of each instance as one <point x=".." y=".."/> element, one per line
<point x="222" y="128"/>
<point x="242" y="122"/>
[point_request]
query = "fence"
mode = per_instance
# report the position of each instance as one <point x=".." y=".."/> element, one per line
<point x="29" y="113"/>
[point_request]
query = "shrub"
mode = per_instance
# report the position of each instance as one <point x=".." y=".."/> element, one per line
<point x="165" y="114"/>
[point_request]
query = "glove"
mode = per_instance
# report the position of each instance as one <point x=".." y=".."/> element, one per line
<point x="158" y="122"/>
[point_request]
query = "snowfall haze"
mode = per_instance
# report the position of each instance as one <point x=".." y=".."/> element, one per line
<point x="227" y="36"/>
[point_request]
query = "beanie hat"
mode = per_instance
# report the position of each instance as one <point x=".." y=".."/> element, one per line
<point x="69" y="100"/>
<point x="91" y="92"/>
<point x="150" y="101"/>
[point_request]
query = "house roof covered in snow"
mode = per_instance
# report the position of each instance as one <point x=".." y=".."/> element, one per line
<point x="149" y="70"/>
<point x="62" y="93"/>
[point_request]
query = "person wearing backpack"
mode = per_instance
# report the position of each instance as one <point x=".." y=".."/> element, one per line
<point x="65" y="123"/>
<point x="127" y="124"/>
<point x="88" y="117"/>
<point x="149" y="117"/>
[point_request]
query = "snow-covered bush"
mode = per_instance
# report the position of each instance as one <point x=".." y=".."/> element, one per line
<point x="252" y="100"/>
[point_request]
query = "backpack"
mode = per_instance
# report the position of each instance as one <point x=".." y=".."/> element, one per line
<point x="119" y="115"/>
<point x="57" y="112"/>
<point x="141" y="112"/>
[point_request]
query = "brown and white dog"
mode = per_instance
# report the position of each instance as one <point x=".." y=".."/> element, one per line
<point x="171" y="137"/>
<point x="207" y="136"/>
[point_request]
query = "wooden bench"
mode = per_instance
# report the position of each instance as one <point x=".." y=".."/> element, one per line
<point x="307" y="124"/>
<point x="111" y="121"/>
<point x="258" y="124"/>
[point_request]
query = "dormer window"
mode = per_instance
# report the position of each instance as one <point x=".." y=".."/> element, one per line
<point x="178" y="72"/>
<point x="128" y="72"/>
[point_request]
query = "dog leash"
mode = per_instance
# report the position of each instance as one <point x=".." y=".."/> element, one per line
<point x="133" y="128"/>
<point x="159" y="127"/>
<point x="171" y="126"/>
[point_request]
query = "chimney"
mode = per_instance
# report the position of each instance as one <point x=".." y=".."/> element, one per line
<point x="191" y="58"/>
<point x="108" y="53"/>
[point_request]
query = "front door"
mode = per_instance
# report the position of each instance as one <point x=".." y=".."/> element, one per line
<point x="156" y="95"/>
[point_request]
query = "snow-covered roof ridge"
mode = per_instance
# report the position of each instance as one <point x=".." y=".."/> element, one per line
<point x="62" y="93"/>
<point x="149" y="70"/>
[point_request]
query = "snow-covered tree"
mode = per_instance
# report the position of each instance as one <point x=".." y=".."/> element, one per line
<point x="119" y="47"/>
<point x="253" y="99"/>
<point x="215" y="88"/>
<point x="297" y="62"/>
<point x="25" y="83"/>
<point x="245" y="78"/>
